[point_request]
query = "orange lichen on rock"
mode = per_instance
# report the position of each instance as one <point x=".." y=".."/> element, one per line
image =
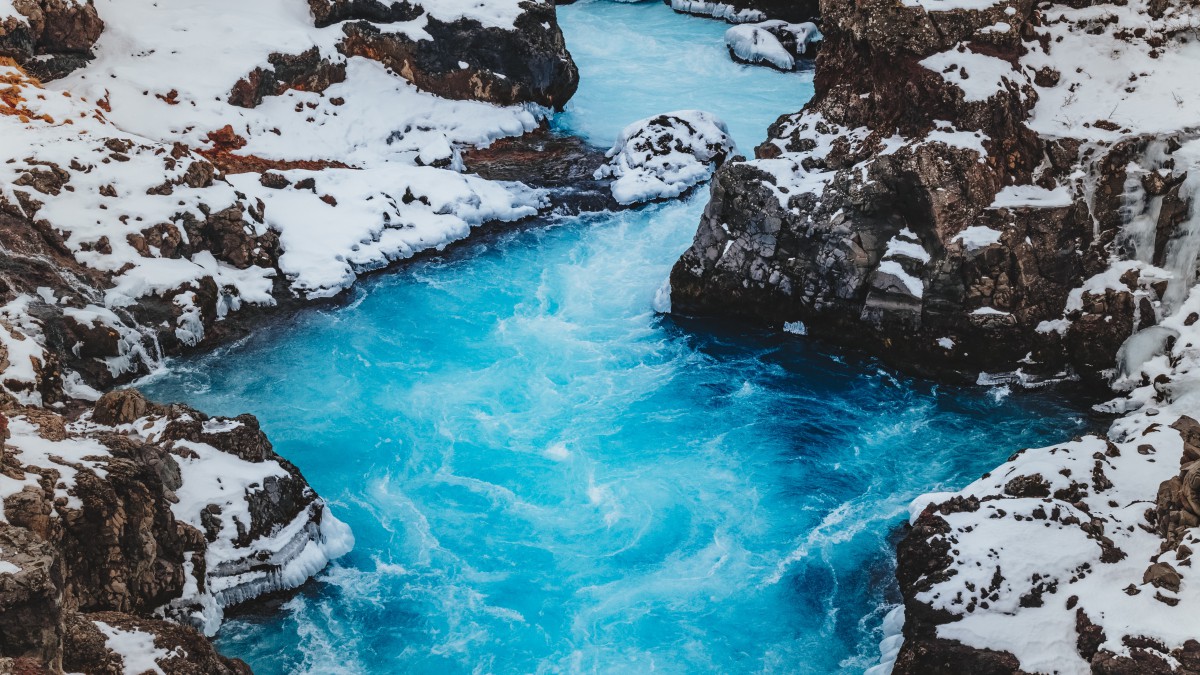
<point x="225" y="140"/>
<point x="228" y="162"/>
<point x="13" y="84"/>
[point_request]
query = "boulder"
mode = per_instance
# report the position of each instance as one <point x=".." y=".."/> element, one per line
<point x="464" y="59"/>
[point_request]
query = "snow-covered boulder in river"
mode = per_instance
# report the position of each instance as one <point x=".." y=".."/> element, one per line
<point x="778" y="44"/>
<point x="664" y="156"/>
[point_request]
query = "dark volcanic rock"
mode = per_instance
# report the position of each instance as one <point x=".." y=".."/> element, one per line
<point x="566" y="165"/>
<point x="59" y="32"/>
<point x="869" y="244"/>
<point x="190" y="653"/>
<point x="306" y="71"/>
<point x="329" y="12"/>
<point x="529" y="64"/>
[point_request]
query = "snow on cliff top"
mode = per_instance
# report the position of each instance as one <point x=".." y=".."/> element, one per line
<point x="163" y="75"/>
<point x="1110" y="73"/>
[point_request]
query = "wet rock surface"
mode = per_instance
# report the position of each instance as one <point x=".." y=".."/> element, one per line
<point x="565" y="165"/>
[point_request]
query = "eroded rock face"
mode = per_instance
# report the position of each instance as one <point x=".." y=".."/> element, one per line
<point x="466" y="60"/>
<point x="911" y="209"/>
<point x="60" y="32"/>
<point x="116" y="517"/>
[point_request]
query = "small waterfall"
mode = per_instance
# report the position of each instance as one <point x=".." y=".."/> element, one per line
<point x="1140" y="210"/>
<point x="1140" y="237"/>
<point x="1184" y="247"/>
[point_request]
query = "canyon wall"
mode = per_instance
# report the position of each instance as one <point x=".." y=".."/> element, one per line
<point x="1002" y="191"/>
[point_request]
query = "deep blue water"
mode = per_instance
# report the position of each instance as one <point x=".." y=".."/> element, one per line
<point x="545" y="476"/>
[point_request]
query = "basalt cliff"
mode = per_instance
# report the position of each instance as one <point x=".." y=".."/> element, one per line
<point x="1002" y="191"/>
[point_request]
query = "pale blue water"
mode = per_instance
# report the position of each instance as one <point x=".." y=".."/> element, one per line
<point x="544" y="476"/>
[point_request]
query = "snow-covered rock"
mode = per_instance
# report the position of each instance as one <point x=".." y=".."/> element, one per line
<point x="179" y="194"/>
<point x="778" y="44"/>
<point x="234" y="520"/>
<point x="664" y="156"/>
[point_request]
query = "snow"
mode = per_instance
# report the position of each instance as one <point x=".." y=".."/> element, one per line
<point x="5" y="566"/>
<point x="914" y="285"/>
<point x="18" y="333"/>
<point x="946" y="133"/>
<point x="760" y="43"/>
<point x="756" y="44"/>
<point x="1043" y="637"/>
<point x="281" y="559"/>
<point x="66" y="457"/>
<point x="945" y="343"/>
<point x="905" y="246"/>
<point x="136" y="649"/>
<point x="664" y="156"/>
<point x="978" y="236"/>
<point x="1032" y="196"/>
<point x="113" y="127"/>
<point x="893" y="639"/>
<point x="795" y="328"/>
<point x="978" y="76"/>
<point x="1110" y="72"/>
<point x="717" y="10"/>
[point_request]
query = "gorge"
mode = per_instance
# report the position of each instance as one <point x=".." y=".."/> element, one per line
<point x="571" y="435"/>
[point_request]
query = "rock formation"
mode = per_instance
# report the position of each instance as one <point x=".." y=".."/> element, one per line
<point x="465" y="59"/>
<point x="1000" y="191"/>
<point x="50" y="37"/>
<point x="778" y="44"/>
<point x="131" y="512"/>
<point x="925" y="203"/>
<point x="664" y="156"/>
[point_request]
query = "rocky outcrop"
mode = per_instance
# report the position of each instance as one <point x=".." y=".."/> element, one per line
<point x="917" y="207"/>
<point x="481" y="56"/>
<point x="307" y="71"/>
<point x="526" y="62"/>
<point x="50" y="37"/>
<point x="134" y="511"/>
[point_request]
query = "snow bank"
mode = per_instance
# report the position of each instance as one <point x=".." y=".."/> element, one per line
<point x="663" y="157"/>
<point x="717" y="10"/>
<point x="136" y="649"/>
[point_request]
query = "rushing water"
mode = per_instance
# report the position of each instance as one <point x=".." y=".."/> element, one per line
<point x="545" y="476"/>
